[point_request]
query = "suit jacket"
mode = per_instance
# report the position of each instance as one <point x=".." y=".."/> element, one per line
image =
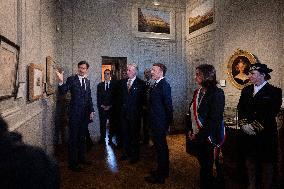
<point x="132" y="100"/>
<point x="211" y="110"/>
<point x="160" y="108"/>
<point x="262" y="107"/>
<point x="81" y="104"/>
<point x="104" y="96"/>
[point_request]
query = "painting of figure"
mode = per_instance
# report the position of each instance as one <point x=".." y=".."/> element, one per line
<point x="240" y="70"/>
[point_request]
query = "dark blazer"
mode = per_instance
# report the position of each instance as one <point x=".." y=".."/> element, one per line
<point x="160" y="107"/>
<point x="263" y="107"/>
<point x="81" y="104"/>
<point x="211" y="110"/>
<point x="132" y="101"/>
<point x="104" y="97"/>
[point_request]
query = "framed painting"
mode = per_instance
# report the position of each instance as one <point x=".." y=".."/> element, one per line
<point x="200" y="18"/>
<point x="35" y="82"/>
<point x="153" y="22"/>
<point x="9" y="60"/>
<point x="238" y="68"/>
<point x="50" y="75"/>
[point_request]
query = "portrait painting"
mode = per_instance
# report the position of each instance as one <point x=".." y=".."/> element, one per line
<point x="35" y="82"/>
<point x="9" y="59"/>
<point x="153" y="22"/>
<point x="201" y="15"/>
<point x="238" y="68"/>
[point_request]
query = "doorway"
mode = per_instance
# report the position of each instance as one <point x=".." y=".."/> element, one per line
<point x="116" y="64"/>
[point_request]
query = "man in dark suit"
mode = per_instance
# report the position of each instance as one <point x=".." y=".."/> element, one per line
<point x="132" y="95"/>
<point x="104" y="104"/>
<point x="81" y="112"/>
<point x="160" y="116"/>
<point x="116" y="107"/>
<point x="148" y="82"/>
<point x="258" y="138"/>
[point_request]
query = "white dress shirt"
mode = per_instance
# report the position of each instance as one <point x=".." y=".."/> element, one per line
<point x="257" y="88"/>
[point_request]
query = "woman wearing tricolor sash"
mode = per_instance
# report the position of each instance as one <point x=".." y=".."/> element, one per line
<point x="207" y="129"/>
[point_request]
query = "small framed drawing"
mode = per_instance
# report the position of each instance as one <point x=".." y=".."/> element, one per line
<point x="238" y="68"/>
<point x="200" y="18"/>
<point x="153" y="22"/>
<point x="50" y="75"/>
<point x="35" y="82"/>
<point x="9" y="60"/>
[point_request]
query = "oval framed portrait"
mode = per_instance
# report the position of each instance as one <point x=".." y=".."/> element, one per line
<point x="238" y="68"/>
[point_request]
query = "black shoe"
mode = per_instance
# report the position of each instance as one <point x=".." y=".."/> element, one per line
<point x="155" y="174"/>
<point x="101" y="141"/>
<point x="75" y="168"/>
<point x="133" y="160"/>
<point x="85" y="162"/>
<point x="123" y="158"/>
<point x="154" y="180"/>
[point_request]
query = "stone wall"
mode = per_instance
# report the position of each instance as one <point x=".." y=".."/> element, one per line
<point x="31" y="24"/>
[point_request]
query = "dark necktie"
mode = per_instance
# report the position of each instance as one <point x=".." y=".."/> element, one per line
<point x="107" y="86"/>
<point x="83" y="83"/>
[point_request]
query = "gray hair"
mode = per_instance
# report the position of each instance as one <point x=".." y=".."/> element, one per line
<point x="135" y="66"/>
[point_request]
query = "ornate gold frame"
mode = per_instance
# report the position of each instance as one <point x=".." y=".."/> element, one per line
<point x="50" y="64"/>
<point x="35" y="82"/>
<point x="248" y="59"/>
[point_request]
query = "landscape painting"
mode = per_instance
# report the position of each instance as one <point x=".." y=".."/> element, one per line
<point x="155" y="21"/>
<point x="201" y="16"/>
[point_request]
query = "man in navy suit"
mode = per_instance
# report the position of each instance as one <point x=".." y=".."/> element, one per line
<point x="81" y="112"/>
<point x="132" y="94"/>
<point x="104" y="104"/>
<point x="160" y="116"/>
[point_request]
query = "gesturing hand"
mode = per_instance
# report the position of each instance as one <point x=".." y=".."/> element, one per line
<point x="59" y="76"/>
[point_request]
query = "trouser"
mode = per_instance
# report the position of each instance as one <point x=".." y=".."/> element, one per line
<point x="104" y="116"/>
<point x="162" y="151"/>
<point x="206" y="160"/>
<point x="131" y="138"/>
<point x="77" y="141"/>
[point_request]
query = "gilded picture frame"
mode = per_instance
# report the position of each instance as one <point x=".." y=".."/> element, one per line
<point x="238" y="68"/>
<point x="35" y="82"/>
<point x="200" y="18"/>
<point x="50" y="75"/>
<point x="9" y="61"/>
<point x="153" y="22"/>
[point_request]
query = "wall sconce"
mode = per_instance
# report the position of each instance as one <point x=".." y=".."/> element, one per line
<point x="156" y="3"/>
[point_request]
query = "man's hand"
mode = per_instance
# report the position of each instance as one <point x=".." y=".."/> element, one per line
<point x="248" y="129"/>
<point x="191" y="136"/>
<point x="92" y="115"/>
<point x="59" y="76"/>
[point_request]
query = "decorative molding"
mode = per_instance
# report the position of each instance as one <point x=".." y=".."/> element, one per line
<point x="25" y="120"/>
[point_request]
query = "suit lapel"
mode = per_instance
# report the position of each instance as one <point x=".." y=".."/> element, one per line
<point x="262" y="90"/>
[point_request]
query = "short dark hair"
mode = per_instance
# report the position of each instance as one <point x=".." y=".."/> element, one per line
<point x="162" y="66"/>
<point x="84" y="62"/>
<point x="107" y="70"/>
<point x="209" y="75"/>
